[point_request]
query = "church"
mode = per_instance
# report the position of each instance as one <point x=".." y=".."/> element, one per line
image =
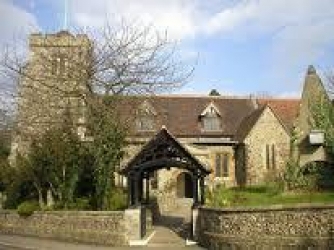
<point x="237" y="140"/>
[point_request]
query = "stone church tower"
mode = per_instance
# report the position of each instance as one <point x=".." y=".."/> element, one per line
<point x="53" y="82"/>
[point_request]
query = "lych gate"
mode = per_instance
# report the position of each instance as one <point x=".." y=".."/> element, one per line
<point x="163" y="151"/>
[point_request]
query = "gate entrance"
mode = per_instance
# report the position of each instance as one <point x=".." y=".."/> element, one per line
<point x="162" y="152"/>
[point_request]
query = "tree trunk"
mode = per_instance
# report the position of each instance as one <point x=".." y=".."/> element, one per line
<point x="40" y="199"/>
<point x="49" y="198"/>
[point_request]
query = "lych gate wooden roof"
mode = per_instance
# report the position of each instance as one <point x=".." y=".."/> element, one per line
<point x="164" y="151"/>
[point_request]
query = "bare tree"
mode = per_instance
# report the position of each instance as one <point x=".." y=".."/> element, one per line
<point x="118" y="59"/>
<point x="128" y="59"/>
<point x="64" y="71"/>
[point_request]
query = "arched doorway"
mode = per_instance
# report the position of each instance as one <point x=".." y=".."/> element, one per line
<point x="184" y="185"/>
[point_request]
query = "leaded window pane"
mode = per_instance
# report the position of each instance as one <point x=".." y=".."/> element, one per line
<point x="226" y="165"/>
<point x="218" y="165"/>
<point x="211" y="123"/>
<point x="145" y="123"/>
<point x="273" y="156"/>
<point x="268" y="156"/>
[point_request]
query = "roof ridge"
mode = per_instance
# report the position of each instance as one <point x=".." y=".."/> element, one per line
<point x="279" y="98"/>
<point x="200" y="96"/>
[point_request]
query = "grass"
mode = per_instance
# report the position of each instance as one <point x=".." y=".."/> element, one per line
<point x="263" y="196"/>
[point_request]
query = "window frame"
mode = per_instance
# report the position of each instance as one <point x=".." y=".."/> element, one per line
<point x="60" y="65"/>
<point x="145" y="123"/>
<point x="211" y="121"/>
<point x="222" y="165"/>
<point x="270" y="156"/>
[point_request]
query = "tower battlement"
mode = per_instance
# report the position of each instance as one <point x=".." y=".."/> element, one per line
<point x="62" y="38"/>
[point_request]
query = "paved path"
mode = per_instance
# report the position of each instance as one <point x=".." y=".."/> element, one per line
<point x="164" y="239"/>
<point x="33" y="243"/>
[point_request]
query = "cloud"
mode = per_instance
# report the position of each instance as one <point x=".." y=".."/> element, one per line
<point x="262" y="16"/>
<point x="295" y="33"/>
<point x="303" y="43"/>
<point x="181" y="18"/>
<point x="298" y="30"/>
<point x="17" y="21"/>
<point x="16" y="24"/>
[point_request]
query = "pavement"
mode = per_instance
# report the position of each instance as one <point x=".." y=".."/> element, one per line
<point x="163" y="239"/>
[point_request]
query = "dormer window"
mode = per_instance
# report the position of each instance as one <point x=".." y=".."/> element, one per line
<point x="210" y="119"/>
<point x="145" y="120"/>
<point x="145" y="123"/>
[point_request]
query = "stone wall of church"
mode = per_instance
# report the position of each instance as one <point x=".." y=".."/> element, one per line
<point x="206" y="153"/>
<point x="107" y="228"/>
<point x="274" y="227"/>
<point x="267" y="131"/>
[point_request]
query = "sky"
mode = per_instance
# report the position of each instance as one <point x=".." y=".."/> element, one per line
<point x="238" y="47"/>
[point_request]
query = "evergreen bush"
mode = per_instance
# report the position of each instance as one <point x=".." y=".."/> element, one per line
<point x="27" y="208"/>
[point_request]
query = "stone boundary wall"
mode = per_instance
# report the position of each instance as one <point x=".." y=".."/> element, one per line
<point x="274" y="227"/>
<point x="107" y="228"/>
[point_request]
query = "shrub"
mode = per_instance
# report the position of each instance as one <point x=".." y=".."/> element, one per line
<point x="118" y="200"/>
<point x="80" y="204"/>
<point x="295" y="178"/>
<point x="27" y="208"/>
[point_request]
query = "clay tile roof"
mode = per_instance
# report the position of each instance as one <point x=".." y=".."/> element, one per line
<point x="181" y="114"/>
<point x="286" y="109"/>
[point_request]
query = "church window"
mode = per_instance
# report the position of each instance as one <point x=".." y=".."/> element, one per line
<point x="210" y="119"/>
<point x="145" y="123"/>
<point x="273" y="156"/>
<point x="222" y="165"/>
<point x="59" y="65"/>
<point x="270" y="156"/>
<point x="145" y="120"/>
<point x="226" y="166"/>
<point x="218" y="165"/>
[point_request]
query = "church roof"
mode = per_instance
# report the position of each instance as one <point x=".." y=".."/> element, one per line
<point x="286" y="109"/>
<point x="248" y="123"/>
<point x="181" y="114"/>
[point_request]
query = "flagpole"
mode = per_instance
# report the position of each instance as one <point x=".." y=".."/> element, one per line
<point x="65" y="15"/>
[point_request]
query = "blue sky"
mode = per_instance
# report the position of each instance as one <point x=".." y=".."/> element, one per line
<point x="242" y="46"/>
